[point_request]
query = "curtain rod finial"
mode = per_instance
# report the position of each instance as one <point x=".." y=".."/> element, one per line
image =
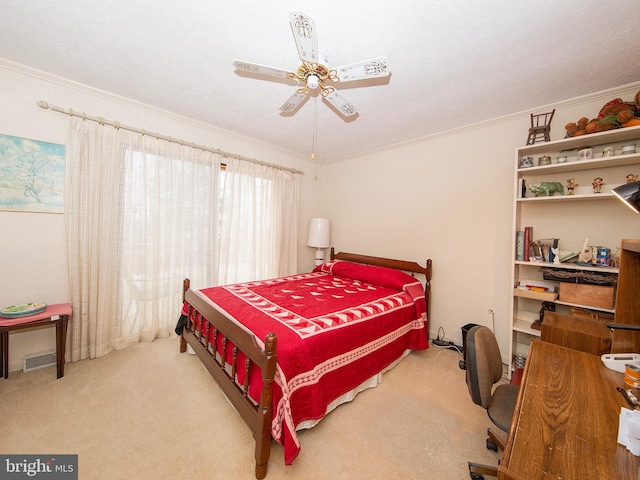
<point x="43" y="104"/>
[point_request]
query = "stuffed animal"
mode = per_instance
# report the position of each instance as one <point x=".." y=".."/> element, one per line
<point x="634" y="120"/>
<point x="578" y="128"/>
<point x="614" y="114"/>
<point x="610" y="122"/>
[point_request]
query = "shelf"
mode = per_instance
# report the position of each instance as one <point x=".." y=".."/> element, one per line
<point x="524" y="326"/>
<point x="588" y="307"/>
<point x="591" y="140"/>
<point x="572" y="217"/>
<point x="569" y="198"/>
<point x="602" y="162"/>
<point x="568" y="266"/>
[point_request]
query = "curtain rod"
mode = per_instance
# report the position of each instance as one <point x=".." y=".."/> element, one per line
<point x="117" y="125"/>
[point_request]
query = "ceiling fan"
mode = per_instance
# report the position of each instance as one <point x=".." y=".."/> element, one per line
<point x="313" y="72"/>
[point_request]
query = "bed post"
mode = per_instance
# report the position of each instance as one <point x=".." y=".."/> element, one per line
<point x="186" y="283"/>
<point x="427" y="293"/>
<point x="265" y="409"/>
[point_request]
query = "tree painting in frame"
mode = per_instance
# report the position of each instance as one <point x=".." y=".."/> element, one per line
<point x="31" y="175"/>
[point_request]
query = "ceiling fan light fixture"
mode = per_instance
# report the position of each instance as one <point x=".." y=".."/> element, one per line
<point x="312" y="74"/>
<point x="313" y="81"/>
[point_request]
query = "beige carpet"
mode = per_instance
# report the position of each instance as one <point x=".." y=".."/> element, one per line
<point x="149" y="412"/>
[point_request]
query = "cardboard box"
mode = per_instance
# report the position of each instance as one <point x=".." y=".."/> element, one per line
<point x="597" y="296"/>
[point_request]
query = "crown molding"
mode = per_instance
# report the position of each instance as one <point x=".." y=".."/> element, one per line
<point x="111" y="97"/>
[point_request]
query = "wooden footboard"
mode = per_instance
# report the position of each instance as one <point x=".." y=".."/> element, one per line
<point x="257" y="417"/>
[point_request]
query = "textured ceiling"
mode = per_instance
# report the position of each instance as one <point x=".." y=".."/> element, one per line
<point x="453" y="62"/>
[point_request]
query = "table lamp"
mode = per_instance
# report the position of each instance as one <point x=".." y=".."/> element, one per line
<point x="629" y="193"/>
<point x="319" y="230"/>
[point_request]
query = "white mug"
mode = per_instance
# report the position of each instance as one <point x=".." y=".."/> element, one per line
<point x="585" y="153"/>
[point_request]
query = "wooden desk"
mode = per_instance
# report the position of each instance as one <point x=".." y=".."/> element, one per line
<point x="57" y="315"/>
<point x="565" y="425"/>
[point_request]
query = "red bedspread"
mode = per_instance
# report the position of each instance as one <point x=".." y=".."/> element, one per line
<point x="336" y="327"/>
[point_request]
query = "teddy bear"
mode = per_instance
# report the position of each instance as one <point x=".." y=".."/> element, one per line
<point x="614" y="114"/>
<point x="578" y="128"/>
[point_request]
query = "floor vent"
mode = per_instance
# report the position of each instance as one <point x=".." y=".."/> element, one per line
<point x="39" y="360"/>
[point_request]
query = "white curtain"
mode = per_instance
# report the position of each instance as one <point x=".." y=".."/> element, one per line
<point x="259" y="222"/>
<point x="142" y="214"/>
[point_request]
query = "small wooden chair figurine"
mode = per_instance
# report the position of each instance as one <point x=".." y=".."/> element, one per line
<point x="540" y="127"/>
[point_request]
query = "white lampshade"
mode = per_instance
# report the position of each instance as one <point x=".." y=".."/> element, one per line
<point x="319" y="231"/>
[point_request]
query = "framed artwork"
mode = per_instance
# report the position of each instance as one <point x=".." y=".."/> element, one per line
<point x="31" y="175"/>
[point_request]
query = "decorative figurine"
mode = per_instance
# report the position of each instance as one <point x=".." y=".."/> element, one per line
<point x="571" y="184"/>
<point x="615" y="258"/>
<point x="546" y="189"/>
<point x="556" y="255"/>
<point x="598" y="183"/>
<point x="546" y="307"/>
<point x="632" y="178"/>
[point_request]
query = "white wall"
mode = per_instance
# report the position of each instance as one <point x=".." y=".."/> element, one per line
<point x="449" y="197"/>
<point x="32" y="245"/>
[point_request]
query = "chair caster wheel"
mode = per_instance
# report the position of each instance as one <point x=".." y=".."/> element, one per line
<point x="476" y="476"/>
<point x="491" y="445"/>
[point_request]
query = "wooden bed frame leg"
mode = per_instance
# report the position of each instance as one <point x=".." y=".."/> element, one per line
<point x="186" y="284"/>
<point x="265" y="409"/>
<point x="261" y="471"/>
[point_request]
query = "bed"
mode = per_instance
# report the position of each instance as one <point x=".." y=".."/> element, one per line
<point x="287" y="351"/>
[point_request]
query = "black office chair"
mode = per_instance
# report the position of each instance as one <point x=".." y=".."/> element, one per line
<point x="484" y="370"/>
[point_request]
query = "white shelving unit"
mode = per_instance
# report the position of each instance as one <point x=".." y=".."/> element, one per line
<point x="570" y="218"/>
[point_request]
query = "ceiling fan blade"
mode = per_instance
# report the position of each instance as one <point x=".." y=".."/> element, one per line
<point x="304" y="33"/>
<point x="342" y="104"/>
<point x="376" y="67"/>
<point x="293" y="102"/>
<point x="260" y="69"/>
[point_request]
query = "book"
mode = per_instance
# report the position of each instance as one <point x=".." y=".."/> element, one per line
<point x="528" y="237"/>
<point x="520" y="245"/>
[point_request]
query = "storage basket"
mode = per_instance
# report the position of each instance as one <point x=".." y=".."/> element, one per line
<point x="592" y="314"/>
<point x="580" y="276"/>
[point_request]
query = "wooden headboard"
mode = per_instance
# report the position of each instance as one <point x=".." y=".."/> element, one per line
<point x="404" y="265"/>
